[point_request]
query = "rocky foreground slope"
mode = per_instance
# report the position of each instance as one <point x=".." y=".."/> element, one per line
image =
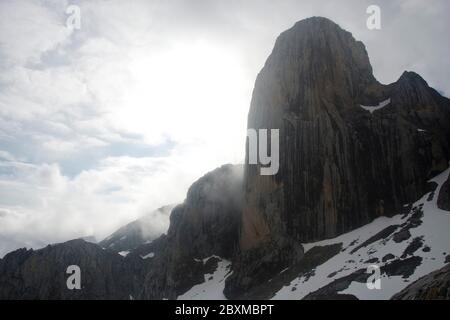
<point x="41" y="274"/>
<point x="363" y="181"/>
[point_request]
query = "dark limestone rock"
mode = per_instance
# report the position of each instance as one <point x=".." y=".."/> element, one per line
<point x="156" y="247"/>
<point x="270" y="260"/>
<point x="331" y="290"/>
<point x="206" y="224"/>
<point x="335" y="296"/>
<point x="413" y="221"/>
<point x="416" y="218"/>
<point x="401" y="236"/>
<point x="443" y="201"/>
<point x="41" y="274"/>
<point x="267" y="289"/>
<point x="388" y="257"/>
<point x="415" y="245"/>
<point x="340" y="165"/>
<point x="372" y="260"/>
<point x="434" y="286"/>
<point x="331" y="275"/>
<point x="404" y="268"/>
<point x="383" y="234"/>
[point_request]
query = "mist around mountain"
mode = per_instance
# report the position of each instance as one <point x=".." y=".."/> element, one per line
<point x="140" y="231"/>
<point x="363" y="183"/>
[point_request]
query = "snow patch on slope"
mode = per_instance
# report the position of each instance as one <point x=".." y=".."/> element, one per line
<point x="124" y="253"/>
<point x="212" y="288"/>
<point x="434" y="232"/>
<point x="150" y="255"/>
<point x="382" y="104"/>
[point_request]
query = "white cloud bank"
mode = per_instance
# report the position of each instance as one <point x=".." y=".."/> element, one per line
<point x="103" y="124"/>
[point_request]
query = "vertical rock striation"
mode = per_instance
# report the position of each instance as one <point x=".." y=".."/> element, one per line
<point x="341" y="165"/>
<point x="205" y="225"/>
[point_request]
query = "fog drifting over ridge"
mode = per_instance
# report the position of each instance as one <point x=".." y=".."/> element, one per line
<point x="101" y="125"/>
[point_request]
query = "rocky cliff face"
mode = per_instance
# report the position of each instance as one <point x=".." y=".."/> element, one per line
<point x="41" y="274"/>
<point x="205" y="225"/>
<point x="351" y="149"/>
<point x="443" y="201"/>
<point x="434" y="286"/>
<point x="341" y="164"/>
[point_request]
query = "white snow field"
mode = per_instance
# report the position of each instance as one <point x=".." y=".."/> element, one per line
<point x="434" y="232"/>
<point x="212" y="288"/>
<point x="382" y="104"/>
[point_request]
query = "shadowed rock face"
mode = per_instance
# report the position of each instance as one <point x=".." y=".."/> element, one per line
<point x="340" y="165"/>
<point x="41" y="274"/>
<point x="206" y="224"/>
<point x="434" y="286"/>
<point x="443" y="201"/>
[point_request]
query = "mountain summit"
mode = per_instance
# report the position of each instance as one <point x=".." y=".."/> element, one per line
<point x="341" y="164"/>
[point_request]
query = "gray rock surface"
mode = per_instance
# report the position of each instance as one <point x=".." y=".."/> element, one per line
<point x="41" y="274"/>
<point x="434" y="286"/>
<point x="206" y="224"/>
<point x="443" y="201"/>
<point x="263" y="282"/>
<point x="341" y="166"/>
<point x="402" y="268"/>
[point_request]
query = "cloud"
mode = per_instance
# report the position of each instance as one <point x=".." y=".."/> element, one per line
<point x="29" y="28"/>
<point x="40" y="205"/>
<point x="103" y="124"/>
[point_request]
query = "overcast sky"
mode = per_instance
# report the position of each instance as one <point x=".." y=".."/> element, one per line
<point x="102" y="124"/>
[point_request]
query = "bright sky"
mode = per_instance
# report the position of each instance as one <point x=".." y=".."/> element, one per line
<point x="102" y="124"/>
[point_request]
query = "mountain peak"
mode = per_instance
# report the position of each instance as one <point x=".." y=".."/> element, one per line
<point x="317" y="21"/>
<point x="411" y="76"/>
<point x="312" y="62"/>
<point x="339" y="163"/>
